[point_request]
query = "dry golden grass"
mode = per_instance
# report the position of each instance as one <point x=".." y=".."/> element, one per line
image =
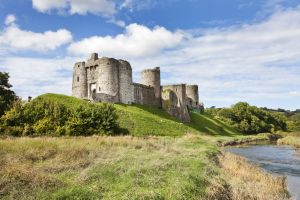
<point x="104" y="168"/>
<point x="249" y="182"/>
<point x="292" y="139"/>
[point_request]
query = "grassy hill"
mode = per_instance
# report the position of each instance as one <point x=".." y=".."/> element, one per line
<point x="141" y="120"/>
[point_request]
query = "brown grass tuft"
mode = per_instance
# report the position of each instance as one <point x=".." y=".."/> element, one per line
<point x="23" y="178"/>
<point x="249" y="182"/>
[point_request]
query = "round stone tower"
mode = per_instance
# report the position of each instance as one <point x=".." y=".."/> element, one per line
<point x="108" y="80"/>
<point x="125" y="82"/>
<point x="79" y="86"/>
<point x="151" y="77"/>
<point x="193" y="95"/>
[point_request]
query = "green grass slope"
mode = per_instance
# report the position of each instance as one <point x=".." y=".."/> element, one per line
<point x="141" y="120"/>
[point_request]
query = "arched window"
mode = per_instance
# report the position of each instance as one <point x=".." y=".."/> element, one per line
<point x="77" y="78"/>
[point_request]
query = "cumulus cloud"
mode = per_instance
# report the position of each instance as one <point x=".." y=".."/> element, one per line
<point x="136" y="41"/>
<point x="36" y="76"/>
<point x="13" y="38"/>
<point x="10" y="19"/>
<point x="97" y="7"/>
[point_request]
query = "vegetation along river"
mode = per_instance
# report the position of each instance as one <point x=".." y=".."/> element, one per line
<point x="277" y="159"/>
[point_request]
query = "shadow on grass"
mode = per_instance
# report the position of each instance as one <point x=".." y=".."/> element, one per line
<point x="153" y="110"/>
<point x="199" y="122"/>
<point x="205" y="123"/>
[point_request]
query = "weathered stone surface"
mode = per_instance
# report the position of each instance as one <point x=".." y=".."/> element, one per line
<point x="151" y="77"/>
<point x="192" y="97"/>
<point x="79" y="87"/>
<point x="144" y="94"/>
<point x="110" y="80"/>
<point x="174" y="101"/>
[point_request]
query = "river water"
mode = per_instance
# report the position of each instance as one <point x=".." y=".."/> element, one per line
<point x="278" y="159"/>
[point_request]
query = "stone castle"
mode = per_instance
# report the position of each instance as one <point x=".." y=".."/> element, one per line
<point x="110" y="80"/>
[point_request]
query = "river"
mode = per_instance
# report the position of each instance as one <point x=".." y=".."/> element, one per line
<point x="277" y="159"/>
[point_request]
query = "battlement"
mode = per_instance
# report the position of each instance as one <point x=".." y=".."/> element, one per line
<point x="156" y="69"/>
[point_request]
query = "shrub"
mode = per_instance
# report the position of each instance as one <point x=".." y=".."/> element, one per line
<point x="53" y="118"/>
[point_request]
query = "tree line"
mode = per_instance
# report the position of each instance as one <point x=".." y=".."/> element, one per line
<point x="251" y="119"/>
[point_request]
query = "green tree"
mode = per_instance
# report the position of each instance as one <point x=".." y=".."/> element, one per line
<point x="7" y="96"/>
<point x="251" y="119"/>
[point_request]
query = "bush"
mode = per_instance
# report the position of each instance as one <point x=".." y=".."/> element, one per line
<point x="44" y="116"/>
<point x="250" y="119"/>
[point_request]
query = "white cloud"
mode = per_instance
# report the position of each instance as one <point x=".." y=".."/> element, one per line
<point x="136" y="41"/>
<point x="36" y="76"/>
<point x="119" y="23"/>
<point x="295" y="93"/>
<point x="133" y="5"/>
<point x="97" y="7"/>
<point x="13" y="38"/>
<point x="10" y="19"/>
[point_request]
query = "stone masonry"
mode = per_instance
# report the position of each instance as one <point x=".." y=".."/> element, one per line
<point x="110" y="80"/>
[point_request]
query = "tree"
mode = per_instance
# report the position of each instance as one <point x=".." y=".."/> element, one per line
<point x="7" y="96"/>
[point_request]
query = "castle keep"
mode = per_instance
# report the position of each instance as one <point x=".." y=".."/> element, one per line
<point x="110" y="80"/>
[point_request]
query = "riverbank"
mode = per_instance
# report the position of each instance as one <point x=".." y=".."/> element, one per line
<point x="126" y="167"/>
<point x="292" y="139"/>
<point x="250" y="139"/>
<point x="247" y="181"/>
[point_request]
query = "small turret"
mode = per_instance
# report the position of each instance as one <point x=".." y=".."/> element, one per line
<point x="94" y="56"/>
<point x="151" y="77"/>
<point x="79" y="86"/>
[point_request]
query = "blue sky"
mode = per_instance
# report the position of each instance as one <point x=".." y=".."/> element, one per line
<point x="235" y="50"/>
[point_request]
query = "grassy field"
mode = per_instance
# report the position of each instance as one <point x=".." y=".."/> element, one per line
<point x="157" y="158"/>
<point x="106" y="167"/>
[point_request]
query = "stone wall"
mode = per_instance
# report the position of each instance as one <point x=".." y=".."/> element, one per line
<point x="103" y="78"/>
<point x="79" y="86"/>
<point x="143" y="94"/>
<point x="125" y="82"/>
<point x="193" y="96"/>
<point x="151" y="77"/>
<point x="174" y="101"/>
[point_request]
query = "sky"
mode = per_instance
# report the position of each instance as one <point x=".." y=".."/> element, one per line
<point x="235" y="50"/>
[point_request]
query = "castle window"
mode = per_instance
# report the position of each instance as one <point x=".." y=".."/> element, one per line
<point x="77" y="78"/>
<point x="99" y="89"/>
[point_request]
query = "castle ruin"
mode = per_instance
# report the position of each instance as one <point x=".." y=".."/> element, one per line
<point x="110" y="80"/>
